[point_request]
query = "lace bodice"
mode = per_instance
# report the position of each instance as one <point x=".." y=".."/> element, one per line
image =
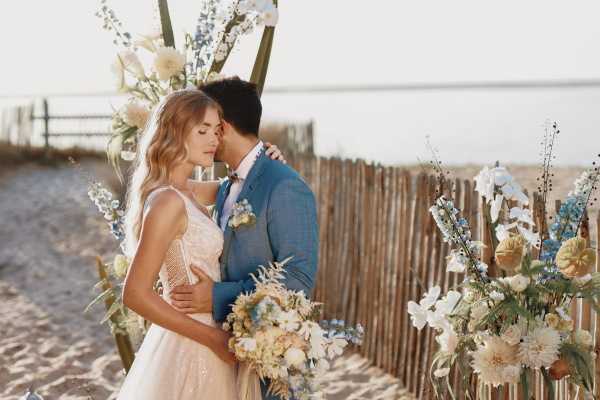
<point x="200" y="245"/>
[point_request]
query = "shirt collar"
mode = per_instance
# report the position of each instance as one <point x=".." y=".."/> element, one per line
<point x="247" y="162"/>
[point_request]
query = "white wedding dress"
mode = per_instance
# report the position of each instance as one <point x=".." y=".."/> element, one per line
<point x="168" y="365"/>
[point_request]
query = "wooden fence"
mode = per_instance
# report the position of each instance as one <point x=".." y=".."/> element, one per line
<point x="381" y="248"/>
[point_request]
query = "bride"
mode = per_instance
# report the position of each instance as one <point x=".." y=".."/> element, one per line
<point x="168" y="229"/>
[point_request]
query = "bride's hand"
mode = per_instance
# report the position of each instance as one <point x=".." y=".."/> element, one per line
<point x="221" y="347"/>
<point x="274" y="152"/>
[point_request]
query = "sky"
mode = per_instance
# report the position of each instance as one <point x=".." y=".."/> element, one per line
<point x="59" y="47"/>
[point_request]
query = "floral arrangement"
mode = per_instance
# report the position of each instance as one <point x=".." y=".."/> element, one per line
<point x="503" y="328"/>
<point x="149" y="68"/>
<point x="276" y="331"/>
<point x="242" y="215"/>
<point x="120" y="319"/>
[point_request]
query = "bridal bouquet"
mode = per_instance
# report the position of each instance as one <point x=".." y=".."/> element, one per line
<point x="276" y="331"/>
<point x="504" y="327"/>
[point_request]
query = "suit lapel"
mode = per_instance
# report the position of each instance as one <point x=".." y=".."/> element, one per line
<point x="221" y="200"/>
<point x="250" y="183"/>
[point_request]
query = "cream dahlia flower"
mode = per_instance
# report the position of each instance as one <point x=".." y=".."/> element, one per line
<point x="168" y="62"/>
<point x="496" y="361"/>
<point x="540" y="347"/>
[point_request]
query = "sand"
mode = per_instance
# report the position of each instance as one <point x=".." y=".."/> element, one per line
<point x="49" y="236"/>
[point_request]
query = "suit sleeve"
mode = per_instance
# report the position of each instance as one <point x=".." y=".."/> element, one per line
<point x="293" y="232"/>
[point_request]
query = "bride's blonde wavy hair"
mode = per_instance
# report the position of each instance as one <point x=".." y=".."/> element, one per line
<point x="162" y="145"/>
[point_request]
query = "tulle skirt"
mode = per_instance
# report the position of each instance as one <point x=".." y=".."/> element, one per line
<point x="170" y="366"/>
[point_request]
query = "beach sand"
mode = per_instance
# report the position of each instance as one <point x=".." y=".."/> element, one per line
<point x="49" y="235"/>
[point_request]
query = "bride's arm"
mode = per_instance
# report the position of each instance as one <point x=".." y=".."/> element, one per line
<point x="206" y="191"/>
<point x="164" y="220"/>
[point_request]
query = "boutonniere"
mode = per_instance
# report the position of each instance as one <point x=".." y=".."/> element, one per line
<point x="241" y="214"/>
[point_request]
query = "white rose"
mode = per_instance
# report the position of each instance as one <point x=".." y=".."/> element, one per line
<point x="120" y="265"/>
<point x="168" y="62"/>
<point x="583" y="337"/>
<point x="135" y="114"/>
<point x="248" y="344"/>
<point x="512" y="335"/>
<point x="128" y="61"/>
<point x="519" y="283"/>
<point x="496" y="296"/>
<point x="294" y="357"/>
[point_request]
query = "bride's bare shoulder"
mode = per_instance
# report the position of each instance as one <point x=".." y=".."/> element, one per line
<point x="166" y="203"/>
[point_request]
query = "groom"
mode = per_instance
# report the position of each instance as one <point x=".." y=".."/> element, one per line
<point x="283" y="205"/>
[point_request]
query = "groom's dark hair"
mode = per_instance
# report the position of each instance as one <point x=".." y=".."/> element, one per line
<point x="240" y="103"/>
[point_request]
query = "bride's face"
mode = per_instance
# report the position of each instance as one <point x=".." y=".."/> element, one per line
<point x="203" y="139"/>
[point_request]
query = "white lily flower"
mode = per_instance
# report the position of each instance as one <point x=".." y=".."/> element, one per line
<point x="454" y="263"/>
<point x="503" y="231"/>
<point x="430" y="297"/>
<point x="501" y="176"/>
<point x="484" y="184"/>
<point x="521" y="214"/>
<point x="418" y="315"/>
<point x="531" y="237"/>
<point x="496" y="206"/>
<point x="447" y="304"/>
<point x="513" y="191"/>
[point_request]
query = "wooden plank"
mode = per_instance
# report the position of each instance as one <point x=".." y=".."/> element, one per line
<point x="351" y="311"/>
<point x="421" y="272"/>
<point x="411" y="282"/>
<point x="597" y="316"/>
<point x="403" y="322"/>
<point x="389" y="311"/>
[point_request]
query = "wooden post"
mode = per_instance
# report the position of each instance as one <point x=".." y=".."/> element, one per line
<point x="46" y="124"/>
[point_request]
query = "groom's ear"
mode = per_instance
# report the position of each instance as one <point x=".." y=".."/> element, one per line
<point x="228" y="129"/>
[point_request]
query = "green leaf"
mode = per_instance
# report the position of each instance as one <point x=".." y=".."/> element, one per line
<point x="100" y="284"/>
<point x="98" y="298"/>
<point x="548" y="382"/>
<point x="116" y="306"/>
<point x="525" y="383"/>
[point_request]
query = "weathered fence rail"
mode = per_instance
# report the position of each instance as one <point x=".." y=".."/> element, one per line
<point x="380" y="248"/>
<point x="37" y="124"/>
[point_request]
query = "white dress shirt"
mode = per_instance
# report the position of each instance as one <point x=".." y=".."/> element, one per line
<point x="242" y="171"/>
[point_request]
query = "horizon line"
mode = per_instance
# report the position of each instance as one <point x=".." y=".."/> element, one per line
<point x="398" y="87"/>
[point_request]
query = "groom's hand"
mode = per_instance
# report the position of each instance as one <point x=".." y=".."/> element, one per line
<point x="194" y="299"/>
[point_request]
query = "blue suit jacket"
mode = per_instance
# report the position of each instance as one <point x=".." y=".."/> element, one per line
<point x="286" y="225"/>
